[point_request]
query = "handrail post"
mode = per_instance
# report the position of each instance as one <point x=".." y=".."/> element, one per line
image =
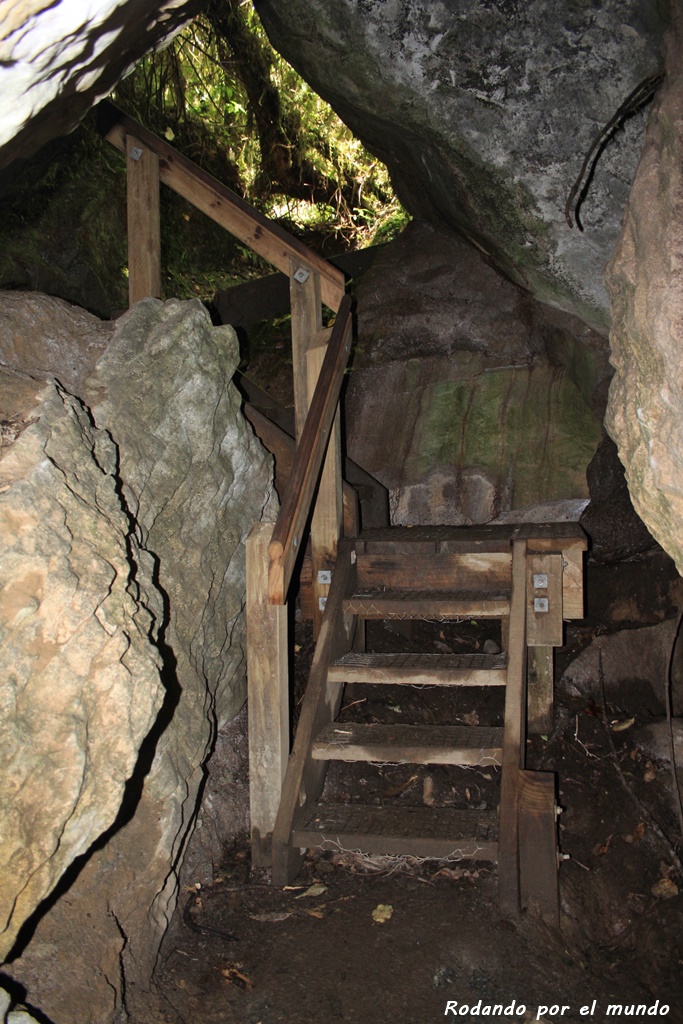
<point x="328" y="514"/>
<point x="268" y="704"/>
<point x="304" y="291"/>
<point x="144" y="232"/>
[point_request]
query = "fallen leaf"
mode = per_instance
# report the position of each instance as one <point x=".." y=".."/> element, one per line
<point x="650" y="774"/>
<point x="471" y="718"/>
<point x="317" y="889"/>
<point x="428" y="791"/>
<point x="297" y="648"/>
<point x="664" y="889"/>
<point x="277" y="915"/>
<point x="316" y="912"/>
<point x="639" y="832"/>
<point x="468" y="795"/>
<point x="397" y="790"/>
<point x="601" y="849"/>
<point x="382" y="912"/>
<point x="234" y="976"/>
<point x="626" y="723"/>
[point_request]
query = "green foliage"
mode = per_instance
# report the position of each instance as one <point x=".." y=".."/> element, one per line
<point x="221" y="95"/>
<point x="226" y="99"/>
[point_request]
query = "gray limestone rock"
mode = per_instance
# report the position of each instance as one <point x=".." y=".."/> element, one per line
<point x="484" y="112"/>
<point x="645" y="282"/>
<point x="80" y="670"/>
<point x="177" y="475"/>
<point x="467" y="398"/>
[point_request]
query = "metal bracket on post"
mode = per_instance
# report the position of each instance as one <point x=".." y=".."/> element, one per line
<point x="301" y="275"/>
<point x="325" y="576"/>
<point x="135" y="153"/>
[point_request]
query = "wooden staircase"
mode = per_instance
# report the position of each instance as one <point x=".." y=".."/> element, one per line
<point x="441" y="574"/>
<point x="528" y="576"/>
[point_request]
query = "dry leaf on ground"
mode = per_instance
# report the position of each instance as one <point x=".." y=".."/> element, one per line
<point x="382" y="912"/>
<point x="317" y="889"/>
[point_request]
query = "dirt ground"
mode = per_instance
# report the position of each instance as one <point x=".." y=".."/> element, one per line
<point x="393" y="941"/>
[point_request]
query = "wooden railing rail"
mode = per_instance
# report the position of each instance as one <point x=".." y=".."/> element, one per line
<point x="296" y="506"/>
<point x="214" y="199"/>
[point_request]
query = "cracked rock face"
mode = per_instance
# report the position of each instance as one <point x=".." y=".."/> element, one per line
<point x="125" y="513"/>
<point x="81" y="683"/>
<point x="484" y="111"/>
<point x="645" y="282"/>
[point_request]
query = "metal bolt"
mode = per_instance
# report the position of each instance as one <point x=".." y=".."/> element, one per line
<point x="540" y="581"/>
<point x="301" y="275"/>
<point x="135" y="153"/>
<point x="324" y="576"/>
<point x="322" y="601"/>
<point x="540" y="604"/>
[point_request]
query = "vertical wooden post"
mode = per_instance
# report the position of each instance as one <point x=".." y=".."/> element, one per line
<point x="328" y="515"/>
<point x="304" y="290"/>
<point x="268" y="696"/>
<point x="144" y="239"/>
<point x="514" y="739"/>
<point x="540" y="690"/>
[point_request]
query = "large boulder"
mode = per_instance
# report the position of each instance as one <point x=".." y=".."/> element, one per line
<point x="484" y="112"/>
<point x="124" y="589"/>
<point x="645" y="282"/>
<point x="58" y="59"/>
<point x="467" y="398"/>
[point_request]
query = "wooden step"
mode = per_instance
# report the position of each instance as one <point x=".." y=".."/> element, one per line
<point x="409" y="744"/>
<point x="421" y="669"/>
<point x="441" y="605"/>
<point x="439" y="833"/>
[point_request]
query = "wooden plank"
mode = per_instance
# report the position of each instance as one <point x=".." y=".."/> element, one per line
<point x="421" y="669"/>
<point x="144" y="233"/>
<point x="295" y="509"/>
<point x="282" y="447"/>
<point x="305" y="777"/>
<point x="221" y="204"/>
<point x="327" y="521"/>
<point x="572" y="583"/>
<point x="268" y="691"/>
<point x="306" y="325"/>
<point x="410" y="744"/>
<point x="535" y="533"/>
<point x="539" y="892"/>
<point x="540" y="690"/>
<point x="514" y="739"/>
<point x="544" y="603"/>
<point x="407" y="831"/>
<point x="435" y="571"/>
<point x="439" y="605"/>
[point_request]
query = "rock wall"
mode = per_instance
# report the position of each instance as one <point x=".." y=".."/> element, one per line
<point x="125" y="512"/>
<point x="468" y="399"/>
<point x="58" y="59"/>
<point x="645" y="283"/>
<point x="484" y="112"/>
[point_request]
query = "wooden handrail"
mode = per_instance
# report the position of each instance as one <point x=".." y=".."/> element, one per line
<point x="222" y="204"/>
<point x="295" y="509"/>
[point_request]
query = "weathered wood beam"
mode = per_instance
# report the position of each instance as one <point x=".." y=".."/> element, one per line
<point x="144" y="234"/>
<point x="268" y="690"/>
<point x="221" y="204"/>
<point x="296" y="507"/>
